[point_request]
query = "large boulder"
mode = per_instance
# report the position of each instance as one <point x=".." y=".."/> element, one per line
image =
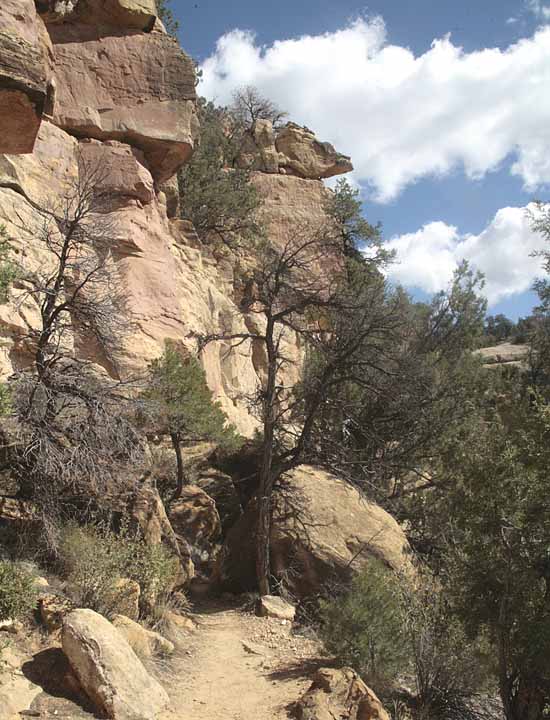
<point x="149" y="514"/>
<point x="195" y="521"/>
<point x="138" y="14"/>
<point x="339" y="694"/>
<point x="142" y="92"/>
<point x="220" y="487"/>
<point x="324" y="530"/>
<point x="24" y="75"/>
<point x="145" y="643"/>
<point x="302" y="154"/>
<point x="108" y="669"/>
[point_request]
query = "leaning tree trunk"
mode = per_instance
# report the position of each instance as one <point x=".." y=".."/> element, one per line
<point x="265" y="489"/>
<point x="180" y="472"/>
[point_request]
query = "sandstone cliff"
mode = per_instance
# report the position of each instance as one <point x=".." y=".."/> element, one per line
<point x="100" y="82"/>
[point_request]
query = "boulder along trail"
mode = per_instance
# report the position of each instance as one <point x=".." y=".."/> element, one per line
<point x="241" y="667"/>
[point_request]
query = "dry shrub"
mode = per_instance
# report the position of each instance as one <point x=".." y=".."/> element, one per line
<point x="93" y="558"/>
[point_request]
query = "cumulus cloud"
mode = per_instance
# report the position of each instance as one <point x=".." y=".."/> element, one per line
<point x="402" y="117"/>
<point x="427" y="258"/>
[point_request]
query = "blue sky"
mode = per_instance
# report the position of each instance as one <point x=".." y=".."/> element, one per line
<point x="449" y="141"/>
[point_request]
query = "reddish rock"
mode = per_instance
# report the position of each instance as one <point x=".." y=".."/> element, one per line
<point x="141" y="92"/>
<point x="24" y="76"/>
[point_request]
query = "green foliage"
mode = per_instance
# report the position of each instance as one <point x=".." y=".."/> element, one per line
<point x="8" y="270"/>
<point x="5" y="400"/>
<point x="356" y="234"/>
<point x="364" y="628"/>
<point x="93" y="558"/>
<point x="216" y="196"/>
<point x="166" y="14"/>
<point x="180" y="401"/>
<point x="18" y="594"/>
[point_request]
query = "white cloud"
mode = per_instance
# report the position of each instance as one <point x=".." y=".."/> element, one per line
<point x="400" y="116"/>
<point x="427" y="258"/>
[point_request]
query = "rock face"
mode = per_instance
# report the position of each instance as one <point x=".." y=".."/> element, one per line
<point x="24" y="75"/>
<point x="109" y="670"/>
<point x="291" y="150"/>
<point x="323" y="530"/>
<point x="339" y="694"/>
<point x="506" y="354"/>
<point x="142" y="92"/>
<point x="195" y="520"/>
<point x="149" y="514"/>
<point x="139" y="14"/>
<point x="98" y="83"/>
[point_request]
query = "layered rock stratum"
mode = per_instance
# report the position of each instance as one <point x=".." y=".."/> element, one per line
<point x="100" y="82"/>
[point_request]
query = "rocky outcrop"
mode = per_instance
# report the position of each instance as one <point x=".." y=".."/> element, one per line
<point x="109" y="670"/>
<point x="195" y="521"/>
<point x="339" y="694"/>
<point x="139" y="14"/>
<point x="116" y="92"/>
<point x="145" y="643"/>
<point x="25" y="75"/>
<point x="324" y="530"/>
<point x="504" y="354"/>
<point x="142" y="92"/>
<point x="291" y="150"/>
<point x="147" y="511"/>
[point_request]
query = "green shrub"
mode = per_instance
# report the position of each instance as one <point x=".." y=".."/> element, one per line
<point x="93" y="558"/>
<point x="364" y="628"/>
<point x="18" y="594"/>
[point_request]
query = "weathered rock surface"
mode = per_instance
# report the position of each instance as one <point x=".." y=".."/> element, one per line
<point x="145" y="643"/>
<point x="121" y="97"/>
<point x="53" y="609"/>
<point x="323" y="530"/>
<point x="291" y="150"/>
<point x="195" y="519"/>
<point x="339" y="694"/>
<point x="142" y="92"/>
<point x="148" y="512"/>
<point x="124" y="598"/>
<point x="221" y="489"/>
<point x="139" y="14"/>
<point x="24" y="75"/>
<point x="109" y="670"/>
<point x="504" y="354"/>
<point x="271" y="606"/>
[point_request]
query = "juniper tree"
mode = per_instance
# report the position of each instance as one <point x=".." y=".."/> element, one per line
<point x="216" y="196"/>
<point x="180" y="404"/>
<point x="73" y="435"/>
<point x="249" y="105"/>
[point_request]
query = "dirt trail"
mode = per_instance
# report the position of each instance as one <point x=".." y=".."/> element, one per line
<point x="240" y="667"/>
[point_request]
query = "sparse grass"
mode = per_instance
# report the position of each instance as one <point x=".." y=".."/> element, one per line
<point x="18" y="594"/>
<point x="93" y="558"/>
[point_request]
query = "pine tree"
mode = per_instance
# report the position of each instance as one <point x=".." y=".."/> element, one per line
<point x="181" y="405"/>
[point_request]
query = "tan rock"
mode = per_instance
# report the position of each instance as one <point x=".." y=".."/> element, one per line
<point x="194" y="518"/>
<point x="124" y="174"/>
<point x="142" y="92"/>
<point x="323" y="530"/>
<point x="504" y="354"/>
<point x="24" y="75"/>
<point x="148" y="512"/>
<point x="124" y="598"/>
<point x="109" y="670"/>
<point x="145" y="643"/>
<point x="302" y="154"/>
<point x="53" y="608"/>
<point x="139" y="14"/>
<point x="271" y="606"/>
<point x="339" y="694"/>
